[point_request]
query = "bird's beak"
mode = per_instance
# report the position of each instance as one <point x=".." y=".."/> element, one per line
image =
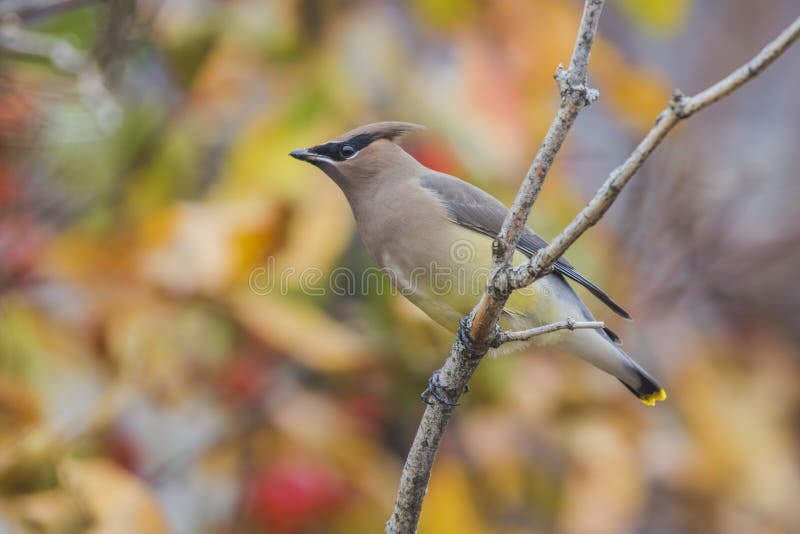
<point x="303" y="154"/>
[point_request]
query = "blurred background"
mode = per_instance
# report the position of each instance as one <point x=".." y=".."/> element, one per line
<point x="155" y="378"/>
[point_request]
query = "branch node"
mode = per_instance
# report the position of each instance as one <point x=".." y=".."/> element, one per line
<point x="559" y="74"/>
<point x="579" y="93"/>
<point x="575" y="87"/>
<point x="678" y="105"/>
<point x="499" y="248"/>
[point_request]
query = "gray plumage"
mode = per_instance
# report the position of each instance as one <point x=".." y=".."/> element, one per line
<point x="480" y="211"/>
<point x="410" y="217"/>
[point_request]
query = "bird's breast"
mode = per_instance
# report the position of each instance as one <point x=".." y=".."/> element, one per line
<point x="438" y="265"/>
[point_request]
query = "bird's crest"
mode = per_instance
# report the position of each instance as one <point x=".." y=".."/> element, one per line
<point x="390" y="130"/>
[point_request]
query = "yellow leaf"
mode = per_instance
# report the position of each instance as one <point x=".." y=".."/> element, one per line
<point x="638" y="93"/>
<point x="445" y="13"/>
<point x="201" y="247"/>
<point x="449" y="505"/>
<point x="19" y="407"/>
<point x="301" y="330"/>
<point x="664" y="16"/>
<point x="118" y="502"/>
<point x="51" y="511"/>
<point x="319" y="230"/>
<point x="259" y="161"/>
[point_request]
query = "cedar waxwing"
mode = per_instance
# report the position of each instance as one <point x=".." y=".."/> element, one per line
<point x="432" y="235"/>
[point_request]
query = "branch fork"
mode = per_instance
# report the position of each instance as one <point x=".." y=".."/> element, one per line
<point x="678" y="104"/>
<point x="530" y="271"/>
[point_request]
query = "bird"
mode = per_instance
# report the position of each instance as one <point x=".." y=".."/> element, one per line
<point x="432" y="233"/>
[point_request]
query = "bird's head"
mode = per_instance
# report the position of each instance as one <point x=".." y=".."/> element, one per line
<point x="361" y="155"/>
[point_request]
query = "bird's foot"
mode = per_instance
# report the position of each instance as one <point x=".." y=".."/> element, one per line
<point x="472" y="349"/>
<point x="463" y="334"/>
<point x="436" y="391"/>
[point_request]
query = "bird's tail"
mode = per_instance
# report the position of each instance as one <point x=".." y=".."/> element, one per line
<point x="598" y="349"/>
<point x="644" y="386"/>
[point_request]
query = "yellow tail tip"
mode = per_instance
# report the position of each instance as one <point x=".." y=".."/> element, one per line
<point x="650" y="400"/>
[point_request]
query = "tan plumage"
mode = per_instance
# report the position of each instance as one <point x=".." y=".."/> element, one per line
<point x="431" y="234"/>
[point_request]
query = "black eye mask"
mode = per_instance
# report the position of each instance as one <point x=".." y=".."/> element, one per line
<point x="345" y="149"/>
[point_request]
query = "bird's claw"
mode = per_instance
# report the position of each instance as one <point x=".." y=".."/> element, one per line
<point x="462" y="334"/>
<point x="436" y="391"/>
<point x="472" y="349"/>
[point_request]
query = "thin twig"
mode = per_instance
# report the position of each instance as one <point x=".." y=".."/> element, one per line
<point x="680" y="107"/>
<point x="575" y="95"/>
<point x="479" y="329"/>
<point x="569" y="324"/>
<point x="743" y="74"/>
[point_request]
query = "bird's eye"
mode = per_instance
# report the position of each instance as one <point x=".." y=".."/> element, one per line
<point x="347" y="151"/>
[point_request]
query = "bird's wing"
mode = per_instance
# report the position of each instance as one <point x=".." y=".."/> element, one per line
<point x="473" y="208"/>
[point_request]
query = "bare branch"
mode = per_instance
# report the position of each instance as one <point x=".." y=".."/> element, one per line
<point x="478" y="330"/>
<point x="524" y="335"/>
<point x="680" y="107"/>
<point x="575" y="94"/>
<point x="688" y="106"/>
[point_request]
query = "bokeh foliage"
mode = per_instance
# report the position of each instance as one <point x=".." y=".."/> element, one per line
<point x="155" y="376"/>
